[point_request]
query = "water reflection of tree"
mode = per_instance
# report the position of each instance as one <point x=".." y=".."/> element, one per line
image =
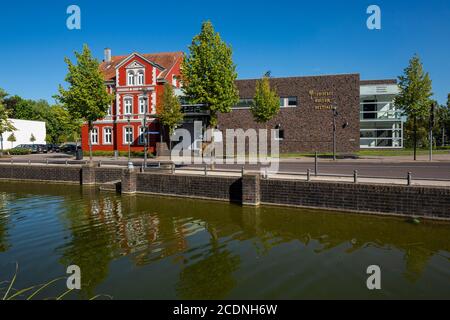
<point x="4" y="222"/>
<point x="92" y="243"/>
<point x="211" y="277"/>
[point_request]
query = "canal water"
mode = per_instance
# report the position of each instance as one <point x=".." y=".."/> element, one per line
<point x="142" y="247"/>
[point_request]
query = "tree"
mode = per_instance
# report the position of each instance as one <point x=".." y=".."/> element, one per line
<point x="209" y="74"/>
<point x="32" y="139"/>
<point x="5" y="123"/>
<point x="415" y="93"/>
<point x="12" y="139"/>
<point x="86" y="97"/>
<point x="266" y="102"/>
<point x="170" y="113"/>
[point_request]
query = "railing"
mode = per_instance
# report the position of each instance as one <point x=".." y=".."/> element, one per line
<point x="310" y="175"/>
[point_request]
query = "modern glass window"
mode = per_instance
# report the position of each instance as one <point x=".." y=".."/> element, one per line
<point x="142" y="105"/>
<point x="292" y="101"/>
<point x="286" y="102"/>
<point x="128" y="135"/>
<point x="130" y="78"/>
<point x="140" y="78"/>
<point x="94" y="136"/>
<point x="128" y="102"/>
<point x="279" y="133"/>
<point x="244" y="103"/>
<point x="141" y="135"/>
<point x="107" y="136"/>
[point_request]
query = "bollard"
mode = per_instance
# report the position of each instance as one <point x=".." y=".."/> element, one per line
<point x="316" y="164"/>
<point x="46" y="161"/>
<point x="355" y="176"/>
<point x="266" y="171"/>
<point x="29" y="162"/>
<point x="308" y="175"/>
<point x="206" y="169"/>
<point x="67" y="163"/>
<point x="242" y="171"/>
<point x="100" y="163"/>
<point x="173" y="168"/>
<point x="409" y="178"/>
<point x="12" y="161"/>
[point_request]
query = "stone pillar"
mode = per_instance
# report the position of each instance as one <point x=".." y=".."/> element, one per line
<point x="251" y="195"/>
<point x="88" y="175"/>
<point x="128" y="181"/>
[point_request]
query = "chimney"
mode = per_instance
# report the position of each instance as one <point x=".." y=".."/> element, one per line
<point x="107" y="55"/>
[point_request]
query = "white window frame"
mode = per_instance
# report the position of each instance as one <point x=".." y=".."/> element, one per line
<point x="174" y="80"/>
<point x="141" y="139"/>
<point x="141" y="99"/>
<point x="140" y="77"/>
<point x="125" y="99"/>
<point x="131" y="77"/>
<point x="286" y="102"/>
<point x="125" y="135"/>
<point x="109" y="111"/>
<point x="97" y="134"/>
<point x="105" y="135"/>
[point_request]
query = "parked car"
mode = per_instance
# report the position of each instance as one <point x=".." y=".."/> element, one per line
<point x="53" y="148"/>
<point x="41" y="148"/>
<point x="69" y="148"/>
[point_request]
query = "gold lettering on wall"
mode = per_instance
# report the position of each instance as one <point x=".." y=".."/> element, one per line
<point x="323" y="100"/>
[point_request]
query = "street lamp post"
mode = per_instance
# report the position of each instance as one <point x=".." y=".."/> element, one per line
<point x="130" y="163"/>
<point x="335" y="114"/>
<point x="144" y="122"/>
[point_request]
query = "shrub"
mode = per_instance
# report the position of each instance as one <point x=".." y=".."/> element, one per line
<point x="19" y="152"/>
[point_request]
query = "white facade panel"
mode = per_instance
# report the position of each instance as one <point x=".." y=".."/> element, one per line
<point x="25" y="129"/>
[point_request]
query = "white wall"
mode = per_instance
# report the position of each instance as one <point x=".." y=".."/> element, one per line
<point x="23" y="133"/>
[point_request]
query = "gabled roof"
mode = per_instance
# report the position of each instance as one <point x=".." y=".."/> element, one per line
<point x="166" y="60"/>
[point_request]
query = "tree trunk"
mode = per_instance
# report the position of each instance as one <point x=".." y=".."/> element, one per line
<point x="1" y="149"/>
<point x="90" y="141"/>
<point x="415" y="138"/>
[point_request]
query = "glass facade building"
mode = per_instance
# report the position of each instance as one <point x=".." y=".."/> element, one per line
<point x="380" y="120"/>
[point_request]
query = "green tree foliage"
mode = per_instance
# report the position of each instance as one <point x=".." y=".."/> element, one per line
<point x="414" y="98"/>
<point x="5" y="123"/>
<point x="12" y="139"/>
<point x="169" y="111"/>
<point x="86" y="97"/>
<point x="209" y="74"/>
<point x="61" y="126"/>
<point x="32" y="138"/>
<point x="266" y="103"/>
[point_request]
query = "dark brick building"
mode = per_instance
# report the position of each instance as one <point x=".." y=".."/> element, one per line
<point x="305" y="119"/>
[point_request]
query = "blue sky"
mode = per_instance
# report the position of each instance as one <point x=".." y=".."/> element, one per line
<point x="290" y="38"/>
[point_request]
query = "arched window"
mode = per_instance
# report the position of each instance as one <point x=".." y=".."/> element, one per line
<point x="130" y="78"/>
<point x="140" y="77"/>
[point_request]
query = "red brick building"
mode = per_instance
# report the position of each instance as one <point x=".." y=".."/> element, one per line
<point x="137" y="81"/>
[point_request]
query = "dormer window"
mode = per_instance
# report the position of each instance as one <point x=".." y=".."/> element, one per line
<point x="131" y="78"/>
<point x="140" y="77"/>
